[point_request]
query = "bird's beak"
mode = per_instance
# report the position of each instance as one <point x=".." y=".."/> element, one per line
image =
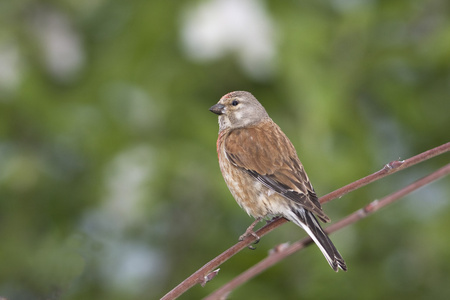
<point x="218" y="109"/>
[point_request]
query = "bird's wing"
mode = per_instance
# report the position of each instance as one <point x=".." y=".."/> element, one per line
<point x="266" y="153"/>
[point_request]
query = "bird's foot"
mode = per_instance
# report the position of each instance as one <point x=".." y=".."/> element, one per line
<point x="250" y="232"/>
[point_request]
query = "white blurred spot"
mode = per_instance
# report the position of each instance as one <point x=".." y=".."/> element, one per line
<point x="10" y="73"/>
<point x="129" y="267"/>
<point x="242" y="27"/>
<point x="126" y="264"/>
<point x="59" y="42"/>
<point x="428" y="202"/>
<point x="126" y="179"/>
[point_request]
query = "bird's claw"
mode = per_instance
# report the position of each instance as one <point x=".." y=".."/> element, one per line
<point x="250" y="233"/>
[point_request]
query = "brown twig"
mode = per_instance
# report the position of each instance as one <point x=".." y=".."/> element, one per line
<point x="390" y="168"/>
<point x="278" y="255"/>
<point x="202" y="275"/>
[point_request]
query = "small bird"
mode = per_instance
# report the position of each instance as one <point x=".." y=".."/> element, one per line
<point x="263" y="172"/>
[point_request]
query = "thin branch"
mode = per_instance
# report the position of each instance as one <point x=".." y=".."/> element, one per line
<point x="388" y="169"/>
<point x="285" y="251"/>
<point x="202" y="275"/>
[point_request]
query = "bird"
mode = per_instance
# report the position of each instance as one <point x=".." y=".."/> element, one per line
<point x="263" y="172"/>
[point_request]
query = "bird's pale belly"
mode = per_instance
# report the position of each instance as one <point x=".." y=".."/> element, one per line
<point x="256" y="199"/>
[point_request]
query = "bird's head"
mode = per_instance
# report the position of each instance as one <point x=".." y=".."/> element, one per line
<point x="238" y="109"/>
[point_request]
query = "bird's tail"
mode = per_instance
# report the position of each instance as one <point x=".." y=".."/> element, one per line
<point x="309" y="223"/>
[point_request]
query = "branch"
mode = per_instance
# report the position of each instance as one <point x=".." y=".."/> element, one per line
<point x="203" y="275"/>
<point x="284" y="251"/>
<point x="388" y="169"/>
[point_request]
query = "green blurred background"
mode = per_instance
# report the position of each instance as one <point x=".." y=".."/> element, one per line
<point x="109" y="181"/>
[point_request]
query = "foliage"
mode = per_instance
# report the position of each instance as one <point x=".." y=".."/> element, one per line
<point x="109" y="181"/>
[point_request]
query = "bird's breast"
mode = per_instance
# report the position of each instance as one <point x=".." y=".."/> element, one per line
<point x="255" y="198"/>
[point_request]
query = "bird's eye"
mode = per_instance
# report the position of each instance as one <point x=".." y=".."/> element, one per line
<point x="235" y="102"/>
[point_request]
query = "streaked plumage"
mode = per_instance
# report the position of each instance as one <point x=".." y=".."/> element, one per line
<point x="263" y="172"/>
